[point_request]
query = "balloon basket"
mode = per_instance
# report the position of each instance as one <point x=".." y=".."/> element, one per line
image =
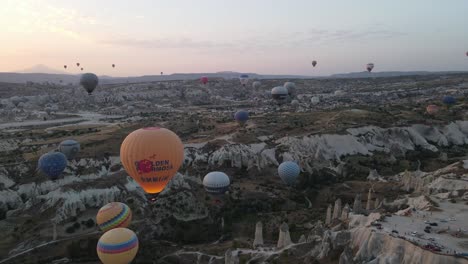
<point x="152" y="197"/>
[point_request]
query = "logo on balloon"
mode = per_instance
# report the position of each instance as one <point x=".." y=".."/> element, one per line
<point x="147" y="166"/>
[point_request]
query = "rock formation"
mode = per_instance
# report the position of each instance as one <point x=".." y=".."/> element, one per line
<point x="302" y="239"/>
<point x="369" y="200"/>
<point x="357" y="207"/>
<point x="329" y="214"/>
<point x="284" y="239"/>
<point x="344" y="213"/>
<point x="337" y="209"/>
<point x="258" y="241"/>
<point x="376" y="203"/>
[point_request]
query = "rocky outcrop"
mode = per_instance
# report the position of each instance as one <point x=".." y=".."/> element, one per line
<point x="258" y="241"/>
<point x="284" y="238"/>
<point x="374" y="247"/>
<point x="357" y="207"/>
<point x="329" y="215"/>
<point x="337" y="209"/>
<point x="345" y="213"/>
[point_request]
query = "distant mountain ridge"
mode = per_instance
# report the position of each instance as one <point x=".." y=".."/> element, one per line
<point x="55" y="76"/>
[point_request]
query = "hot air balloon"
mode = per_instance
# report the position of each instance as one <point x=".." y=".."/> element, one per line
<point x="369" y="67"/>
<point x="291" y="88"/>
<point x="314" y="63"/>
<point x="82" y="69"/>
<point x="256" y="84"/>
<point x="244" y="79"/>
<point x="152" y="156"/>
<point x="113" y="65"/>
<point x="77" y="64"/>
<point x="52" y="164"/>
<point x="89" y="81"/>
<point x="289" y="172"/>
<point x="162" y="73"/>
<point x="70" y="148"/>
<point x="448" y="100"/>
<point x="432" y="109"/>
<point x="117" y="246"/>
<point x="114" y="215"/>
<point x="241" y="117"/>
<point x="279" y="93"/>
<point x="314" y="100"/>
<point x="204" y="80"/>
<point x="216" y="182"/>
<point x="64" y="66"/>
<point x="467" y="53"/>
<point x="295" y="103"/>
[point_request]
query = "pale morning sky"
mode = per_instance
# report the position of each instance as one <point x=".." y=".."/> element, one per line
<point x="262" y="36"/>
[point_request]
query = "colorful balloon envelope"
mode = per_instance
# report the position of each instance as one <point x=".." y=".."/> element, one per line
<point x="117" y="246"/>
<point x="369" y="67"/>
<point x="241" y="117"/>
<point x="204" y="80"/>
<point x="289" y="172"/>
<point x="114" y="215"/>
<point x="70" y="148"/>
<point x="89" y="81"/>
<point x="152" y="156"/>
<point x="432" y="109"/>
<point x="52" y="164"/>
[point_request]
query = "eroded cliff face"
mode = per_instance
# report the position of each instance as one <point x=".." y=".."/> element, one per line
<point x="373" y="247"/>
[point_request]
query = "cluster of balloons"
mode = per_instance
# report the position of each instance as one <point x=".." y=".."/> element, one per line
<point x="53" y="164"/>
<point x="118" y="245"/>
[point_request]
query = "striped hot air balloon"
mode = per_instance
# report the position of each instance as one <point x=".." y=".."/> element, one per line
<point x="117" y="246"/>
<point x="113" y="215"/>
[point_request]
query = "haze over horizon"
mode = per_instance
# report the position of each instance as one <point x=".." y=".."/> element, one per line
<point x="265" y="37"/>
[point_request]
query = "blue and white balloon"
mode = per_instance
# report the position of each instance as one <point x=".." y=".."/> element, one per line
<point x="52" y="164"/>
<point x="241" y="117"/>
<point x="70" y="148"/>
<point x="289" y="172"/>
<point x="216" y="182"/>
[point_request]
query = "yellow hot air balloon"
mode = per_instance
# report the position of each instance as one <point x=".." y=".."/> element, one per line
<point x="152" y="156"/>
<point x="114" y="215"/>
<point x="117" y="246"/>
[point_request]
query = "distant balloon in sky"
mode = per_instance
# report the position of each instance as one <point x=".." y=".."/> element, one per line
<point x="241" y="117"/>
<point x="204" y="79"/>
<point x="70" y="148"/>
<point x="77" y="64"/>
<point x="432" y="109"/>
<point x="64" y="66"/>
<point x="117" y="246"/>
<point x="369" y="67"/>
<point x="114" y="215"/>
<point x="152" y="156"/>
<point x="89" y="81"/>
<point x="289" y="172"/>
<point x="256" y="84"/>
<point x="81" y="69"/>
<point x="314" y="63"/>
<point x="162" y="73"/>
<point x="216" y="182"/>
<point x="279" y="93"/>
<point x="52" y="164"/>
<point x="113" y="65"/>
<point x="244" y="79"/>
<point x="467" y="53"/>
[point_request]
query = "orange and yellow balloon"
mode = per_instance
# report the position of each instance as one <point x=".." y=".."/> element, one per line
<point x="114" y="215"/>
<point x="117" y="246"/>
<point x="152" y="156"/>
<point x="432" y="109"/>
